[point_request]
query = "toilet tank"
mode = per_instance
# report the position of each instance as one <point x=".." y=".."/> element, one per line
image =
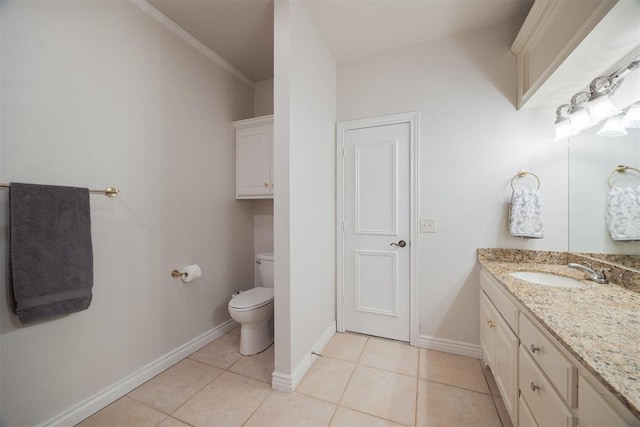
<point x="265" y="268"/>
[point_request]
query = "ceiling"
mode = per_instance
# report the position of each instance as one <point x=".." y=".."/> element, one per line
<point x="241" y="31"/>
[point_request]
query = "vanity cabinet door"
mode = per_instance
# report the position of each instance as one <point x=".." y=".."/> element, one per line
<point x="500" y="352"/>
<point x="254" y="158"/>
<point x="486" y="329"/>
<point x="505" y="365"/>
<point x="594" y="410"/>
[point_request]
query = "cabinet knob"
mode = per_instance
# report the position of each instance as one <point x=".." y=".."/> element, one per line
<point x="534" y="348"/>
<point x="533" y="386"/>
<point x="266" y="185"/>
<point x="491" y="324"/>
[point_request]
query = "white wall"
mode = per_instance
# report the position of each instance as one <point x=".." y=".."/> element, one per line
<point x="471" y="143"/>
<point x="97" y="94"/>
<point x="263" y="98"/>
<point x="305" y="159"/>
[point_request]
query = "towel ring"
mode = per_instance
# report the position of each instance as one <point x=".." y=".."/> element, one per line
<point x="620" y="169"/>
<point x="522" y="174"/>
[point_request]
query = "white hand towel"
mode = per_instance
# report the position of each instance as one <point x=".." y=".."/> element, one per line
<point x="525" y="216"/>
<point x="623" y="213"/>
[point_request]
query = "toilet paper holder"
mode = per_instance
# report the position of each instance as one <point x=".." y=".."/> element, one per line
<point x="176" y="274"/>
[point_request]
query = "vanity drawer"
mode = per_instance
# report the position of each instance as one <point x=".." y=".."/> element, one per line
<point x="558" y="369"/>
<point x="546" y="406"/>
<point x="506" y="308"/>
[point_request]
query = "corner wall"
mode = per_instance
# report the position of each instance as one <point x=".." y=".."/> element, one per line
<point x="97" y="94"/>
<point x="305" y="108"/>
<point x="472" y="142"/>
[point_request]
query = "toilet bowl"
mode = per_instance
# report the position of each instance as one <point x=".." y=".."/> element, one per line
<point x="253" y="310"/>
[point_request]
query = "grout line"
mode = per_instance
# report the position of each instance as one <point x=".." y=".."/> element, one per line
<point x="458" y="387"/>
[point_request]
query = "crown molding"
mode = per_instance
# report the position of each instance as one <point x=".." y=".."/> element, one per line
<point x="184" y="35"/>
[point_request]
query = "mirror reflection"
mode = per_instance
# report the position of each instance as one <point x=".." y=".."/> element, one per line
<point x="604" y="200"/>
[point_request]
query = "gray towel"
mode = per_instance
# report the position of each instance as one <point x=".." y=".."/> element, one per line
<point x="51" y="252"/>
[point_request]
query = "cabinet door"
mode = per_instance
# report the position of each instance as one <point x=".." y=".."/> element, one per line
<point x="505" y="365"/>
<point x="593" y="409"/>
<point x="253" y="162"/>
<point x="487" y="324"/>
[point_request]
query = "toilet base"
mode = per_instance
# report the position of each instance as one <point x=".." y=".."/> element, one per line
<point x="255" y="337"/>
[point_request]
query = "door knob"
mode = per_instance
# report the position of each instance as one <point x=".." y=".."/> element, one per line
<point x="401" y="243"/>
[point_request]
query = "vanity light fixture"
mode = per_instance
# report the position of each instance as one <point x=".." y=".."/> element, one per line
<point x="613" y="127"/>
<point x="632" y="117"/>
<point x="588" y="109"/>
<point x="600" y="105"/>
<point x="563" y="125"/>
<point x="578" y="114"/>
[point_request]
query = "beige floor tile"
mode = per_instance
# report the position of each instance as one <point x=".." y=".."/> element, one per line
<point x="167" y="391"/>
<point x="228" y="401"/>
<point x="235" y="331"/>
<point x="345" y="346"/>
<point x="124" y="412"/>
<point x="391" y="356"/>
<point x="451" y="369"/>
<point x="221" y="353"/>
<point x="292" y="409"/>
<point x="383" y="394"/>
<point x="326" y="379"/>
<point x="502" y="412"/>
<point x="172" y="422"/>
<point x="444" y="405"/>
<point x="259" y="366"/>
<point x="345" y="417"/>
<point x="491" y="381"/>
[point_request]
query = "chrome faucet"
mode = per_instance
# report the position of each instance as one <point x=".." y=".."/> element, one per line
<point x="597" y="276"/>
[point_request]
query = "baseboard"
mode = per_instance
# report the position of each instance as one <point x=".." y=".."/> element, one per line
<point x="450" y="346"/>
<point x="107" y="396"/>
<point x="288" y="383"/>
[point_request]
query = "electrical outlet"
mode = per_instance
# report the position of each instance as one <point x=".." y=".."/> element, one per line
<point x="428" y="225"/>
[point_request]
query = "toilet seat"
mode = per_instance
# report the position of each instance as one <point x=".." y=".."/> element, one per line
<point x="252" y="299"/>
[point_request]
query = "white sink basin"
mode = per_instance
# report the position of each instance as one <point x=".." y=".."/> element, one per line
<point x="547" y="279"/>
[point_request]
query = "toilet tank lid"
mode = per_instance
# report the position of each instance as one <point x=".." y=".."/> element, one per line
<point x="265" y="255"/>
<point x="252" y="298"/>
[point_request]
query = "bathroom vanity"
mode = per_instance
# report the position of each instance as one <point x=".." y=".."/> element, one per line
<point x="563" y="356"/>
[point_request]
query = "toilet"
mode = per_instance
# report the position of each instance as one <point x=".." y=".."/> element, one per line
<point x="253" y="310"/>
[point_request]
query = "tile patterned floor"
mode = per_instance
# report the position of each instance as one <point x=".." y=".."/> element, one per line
<point x="360" y="381"/>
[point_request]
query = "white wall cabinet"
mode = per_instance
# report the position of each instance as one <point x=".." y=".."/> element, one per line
<point x="540" y="382"/>
<point x="254" y="158"/>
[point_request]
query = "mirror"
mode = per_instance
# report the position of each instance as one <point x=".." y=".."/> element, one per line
<point x="592" y="160"/>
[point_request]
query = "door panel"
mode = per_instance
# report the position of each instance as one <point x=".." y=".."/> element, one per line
<point x="376" y="215"/>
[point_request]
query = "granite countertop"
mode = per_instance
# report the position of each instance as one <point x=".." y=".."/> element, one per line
<point x="598" y="324"/>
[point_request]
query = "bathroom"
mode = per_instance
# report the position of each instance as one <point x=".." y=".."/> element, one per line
<point x="83" y="103"/>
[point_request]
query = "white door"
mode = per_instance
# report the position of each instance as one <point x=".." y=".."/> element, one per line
<point x="377" y="230"/>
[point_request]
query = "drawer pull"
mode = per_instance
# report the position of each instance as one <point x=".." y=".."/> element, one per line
<point x="534" y="348"/>
<point x="491" y="324"/>
<point x="533" y="386"/>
